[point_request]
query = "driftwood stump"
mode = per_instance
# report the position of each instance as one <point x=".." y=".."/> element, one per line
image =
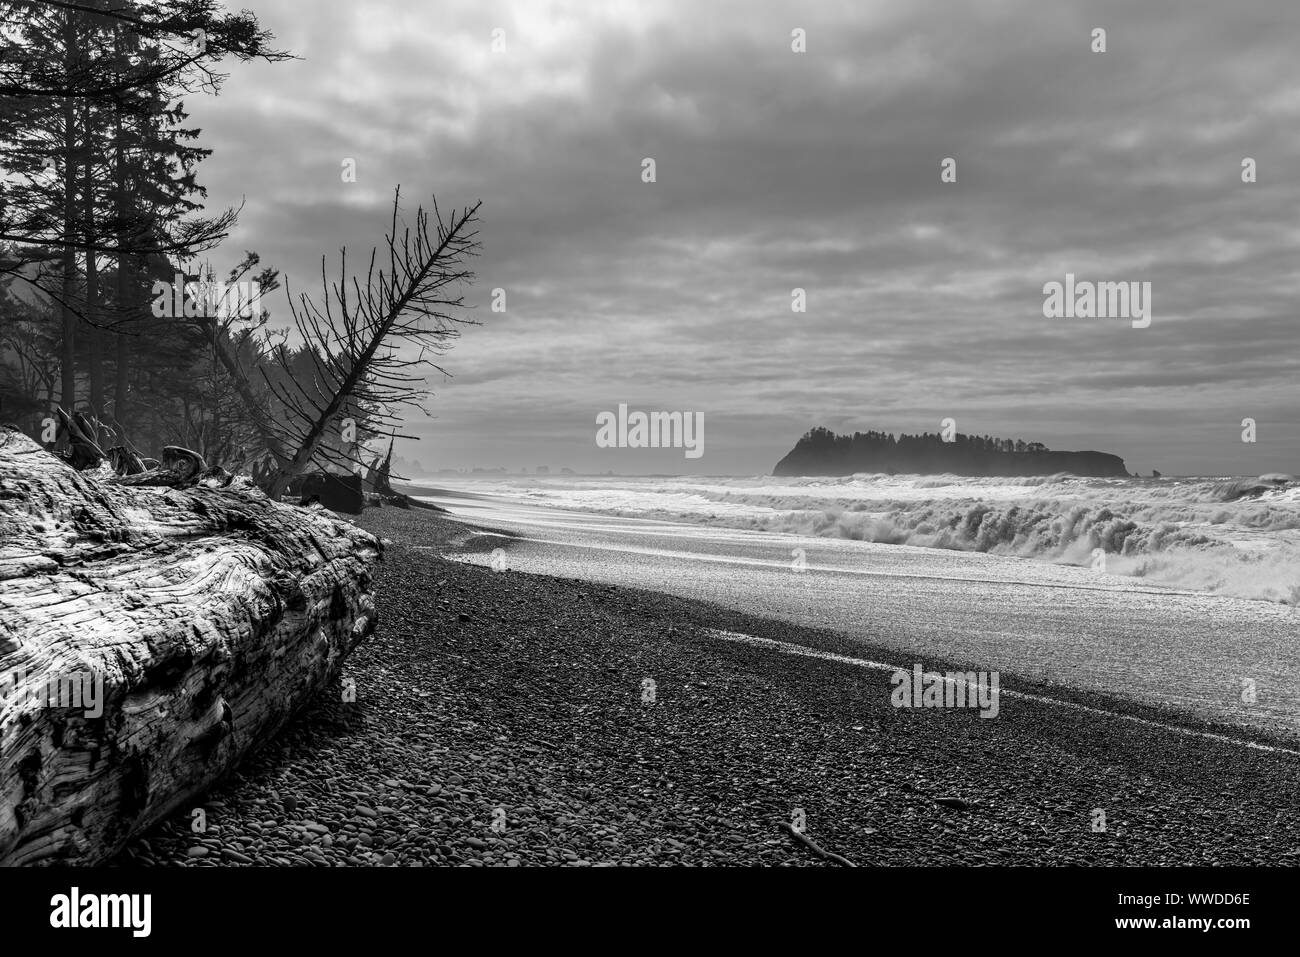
<point x="209" y="615"/>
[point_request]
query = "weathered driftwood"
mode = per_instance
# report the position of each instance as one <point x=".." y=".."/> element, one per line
<point x="339" y="493"/>
<point x="83" y="451"/>
<point x="180" y="467"/>
<point x="211" y="613"/>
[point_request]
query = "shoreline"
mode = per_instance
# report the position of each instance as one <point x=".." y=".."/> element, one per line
<point x="1211" y="542"/>
<point x="484" y="690"/>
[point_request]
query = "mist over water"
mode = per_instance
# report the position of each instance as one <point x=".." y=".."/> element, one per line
<point x="1230" y="536"/>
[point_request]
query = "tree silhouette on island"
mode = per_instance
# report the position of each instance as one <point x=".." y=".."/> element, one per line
<point x="822" y="452"/>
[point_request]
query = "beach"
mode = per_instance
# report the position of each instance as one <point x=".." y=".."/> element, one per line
<point x="502" y="719"/>
<point x="1070" y="624"/>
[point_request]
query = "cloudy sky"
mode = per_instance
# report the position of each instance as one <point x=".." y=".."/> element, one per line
<point x="818" y="170"/>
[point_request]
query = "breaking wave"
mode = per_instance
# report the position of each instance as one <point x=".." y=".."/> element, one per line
<point x="1230" y="536"/>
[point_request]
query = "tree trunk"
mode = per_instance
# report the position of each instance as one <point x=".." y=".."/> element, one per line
<point x="210" y="615"/>
<point x="123" y="357"/>
<point x="121" y="412"/>
<point x="69" y="318"/>
<point x="92" y="311"/>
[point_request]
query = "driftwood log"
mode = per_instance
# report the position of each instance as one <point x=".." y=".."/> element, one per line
<point x="209" y="615"/>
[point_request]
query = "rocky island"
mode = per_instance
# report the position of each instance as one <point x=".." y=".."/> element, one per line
<point x="822" y="452"/>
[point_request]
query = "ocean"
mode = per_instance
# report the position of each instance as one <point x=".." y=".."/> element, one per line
<point x="1219" y="535"/>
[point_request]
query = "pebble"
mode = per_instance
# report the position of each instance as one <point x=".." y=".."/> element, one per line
<point x="952" y="802"/>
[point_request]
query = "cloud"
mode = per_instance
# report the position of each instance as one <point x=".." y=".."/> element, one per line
<point x="821" y="171"/>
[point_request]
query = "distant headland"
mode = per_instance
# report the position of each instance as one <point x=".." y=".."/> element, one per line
<point x="822" y="452"/>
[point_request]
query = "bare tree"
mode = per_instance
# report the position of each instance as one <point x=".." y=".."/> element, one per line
<point x="371" y="342"/>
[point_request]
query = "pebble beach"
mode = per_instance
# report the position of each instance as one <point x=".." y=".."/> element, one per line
<point x="507" y="720"/>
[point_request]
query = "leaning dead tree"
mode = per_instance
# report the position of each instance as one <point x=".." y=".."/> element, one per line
<point x="152" y="636"/>
<point x="370" y="342"/>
